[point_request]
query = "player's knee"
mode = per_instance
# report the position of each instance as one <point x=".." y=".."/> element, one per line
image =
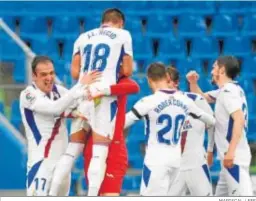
<point x="75" y="149"/>
<point x="97" y="138"/>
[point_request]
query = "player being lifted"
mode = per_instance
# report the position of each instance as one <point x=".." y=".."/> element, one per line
<point x="164" y="112"/>
<point x="107" y="49"/>
<point x="231" y="126"/>
<point x="194" y="166"/>
<point x="43" y="106"/>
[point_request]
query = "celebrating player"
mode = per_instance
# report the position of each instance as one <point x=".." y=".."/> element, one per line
<point x="164" y="112"/>
<point x="231" y="126"/>
<point x="194" y="167"/>
<point x="107" y="49"/>
<point x="42" y="107"/>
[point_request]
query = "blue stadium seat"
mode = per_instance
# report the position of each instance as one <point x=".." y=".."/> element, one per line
<point x="44" y="46"/>
<point x="224" y="25"/>
<point x="10" y="50"/>
<point x="133" y="25"/>
<point x="205" y="83"/>
<point x="142" y="48"/>
<point x="249" y="25"/>
<point x="10" y="21"/>
<point x="248" y="67"/>
<point x="171" y="47"/>
<point x="19" y="73"/>
<point x="187" y="64"/>
<point x="61" y="68"/>
<point x="15" y="114"/>
<point x="131" y="183"/>
<point x="246" y="83"/>
<point x="251" y="105"/>
<point x="206" y="47"/>
<point x="91" y="23"/>
<point x="191" y="26"/>
<point x="159" y="26"/>
<point x="66" y="26"/>
<point x="169" y="8"/>
<point x="233" y="7"/>
<point x="197" y="7"/>
<point x="68" y="48"/>
<point x="238" y="46"/>
<point x="33" y="26"/>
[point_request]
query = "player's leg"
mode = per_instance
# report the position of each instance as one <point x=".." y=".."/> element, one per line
<point x="65" y="186"/>
<point x="239" y="182"/>
<point x="178" y="186"/>
<point x="102" y="126"/>
<point x="222" y="186"/>
<point x="155" y="181"/>
<point x="201" y="174"/>
<point x="39" y="178"/>
<point x="75" y="147"/>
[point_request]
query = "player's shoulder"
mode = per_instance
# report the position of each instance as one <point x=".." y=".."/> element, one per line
<point x="147" y="100"/>
<point x="193" y="96"/>
<point x="60" y="89"/>
<point x="231" y="88"/>
<point x="28" y="95"/>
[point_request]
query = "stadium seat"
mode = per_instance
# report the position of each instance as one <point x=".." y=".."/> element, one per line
<point x="171" y="47"/>
<point x="197" y="7"/>
<point x="131" y="183"/>
<point x="15" y="114"/>
<point x="185" y="65"/>
<point x="142" y="48"/>
<point x="206" y="47"/>
<point x="91" y="23"/>
<point x="248" y="67"/>
<point x="169" y="8"/>
<point x="247" y="84"/>
<point x="44" y="46"/>
<point x="10" y="21"/>
<point x="133" y="25"/>
<point x="233" y="7"/>
<point x="10" y="50"/>
<point x="19" y="73"/>
<point x="66" y="26"/>
<point x="191" y="26"/>
<point x="33" y="26"/>
<point x="249" y="25"/>
<point x="159" y="26"/>
<point x="237" y="46"/>
<point x="224" y="25"/>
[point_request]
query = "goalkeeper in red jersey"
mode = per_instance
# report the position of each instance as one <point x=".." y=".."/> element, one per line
<point x="117" y="160"/>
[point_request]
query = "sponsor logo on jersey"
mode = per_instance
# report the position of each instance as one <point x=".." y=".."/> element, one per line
<point x="30" y="97"/>
<point x="187" y="125"/>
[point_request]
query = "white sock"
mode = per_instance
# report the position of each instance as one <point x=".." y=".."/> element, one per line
<point x="97" y="168"/>
<point x="64" y="166"/>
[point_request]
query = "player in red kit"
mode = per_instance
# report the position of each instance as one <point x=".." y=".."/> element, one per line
<point x="117" y="160"/>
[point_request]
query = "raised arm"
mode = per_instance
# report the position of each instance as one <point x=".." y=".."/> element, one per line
<point x="193" y="78"/>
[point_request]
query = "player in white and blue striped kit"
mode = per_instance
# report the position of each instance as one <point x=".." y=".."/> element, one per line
<point x="164" y="113"/>
<point x="231" y="114"/>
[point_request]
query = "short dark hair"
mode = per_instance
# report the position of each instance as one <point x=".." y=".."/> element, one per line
<point x="231" y="65"/>
<point x="112" y="15"/>
<point x="173" y="73"/>
<point x="156" y="71"/>
<point x="40" y="59"/>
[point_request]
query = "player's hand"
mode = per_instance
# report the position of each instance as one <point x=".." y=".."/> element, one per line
<point x="192" y="77"/>
<point x="90" y="77"/>
<point x="209" y="158"/>
<point x="228" y="160"/>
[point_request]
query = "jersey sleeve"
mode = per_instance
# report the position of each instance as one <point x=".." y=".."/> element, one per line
<point x="128" y="44"/>
<point x="231" y="101"/>
<point x="213" y="94"/>
<point x="203" y="104"/>
<point x="139" y="110"/>
<point x="76" y="48"/>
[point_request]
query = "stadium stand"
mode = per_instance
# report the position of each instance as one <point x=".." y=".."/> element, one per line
<point x="188" y="35"/>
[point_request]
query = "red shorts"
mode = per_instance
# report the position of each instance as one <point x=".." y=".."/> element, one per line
<point x="117" y="164"/>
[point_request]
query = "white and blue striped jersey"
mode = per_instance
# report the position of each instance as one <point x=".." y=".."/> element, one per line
<point x="45" y="129"/>
<point x="231" y="98"/>
<point x="165" y="112"/>
<point x="103" y="49"/>
<point x="193" y="134"/>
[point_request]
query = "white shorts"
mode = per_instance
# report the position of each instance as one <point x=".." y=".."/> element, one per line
<point x="188" y="180"/>
<point x="157" y="180"/>
<point x="39" y="179"/>
<point x="235" y="181"/>
<point x="100" y="114"/>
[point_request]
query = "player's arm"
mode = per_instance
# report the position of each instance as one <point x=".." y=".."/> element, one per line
<point x="127" y="60"/>
<point x="233" y="106"/>
<point x="138" y="111"/>
<point x="198" y="113"/>
<point x="76" y="61"/>
<point x="192" y="78"/>
<point x="30" y="100"/>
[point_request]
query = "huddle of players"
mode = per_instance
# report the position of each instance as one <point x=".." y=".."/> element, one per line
<point x="169" y="115"/>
